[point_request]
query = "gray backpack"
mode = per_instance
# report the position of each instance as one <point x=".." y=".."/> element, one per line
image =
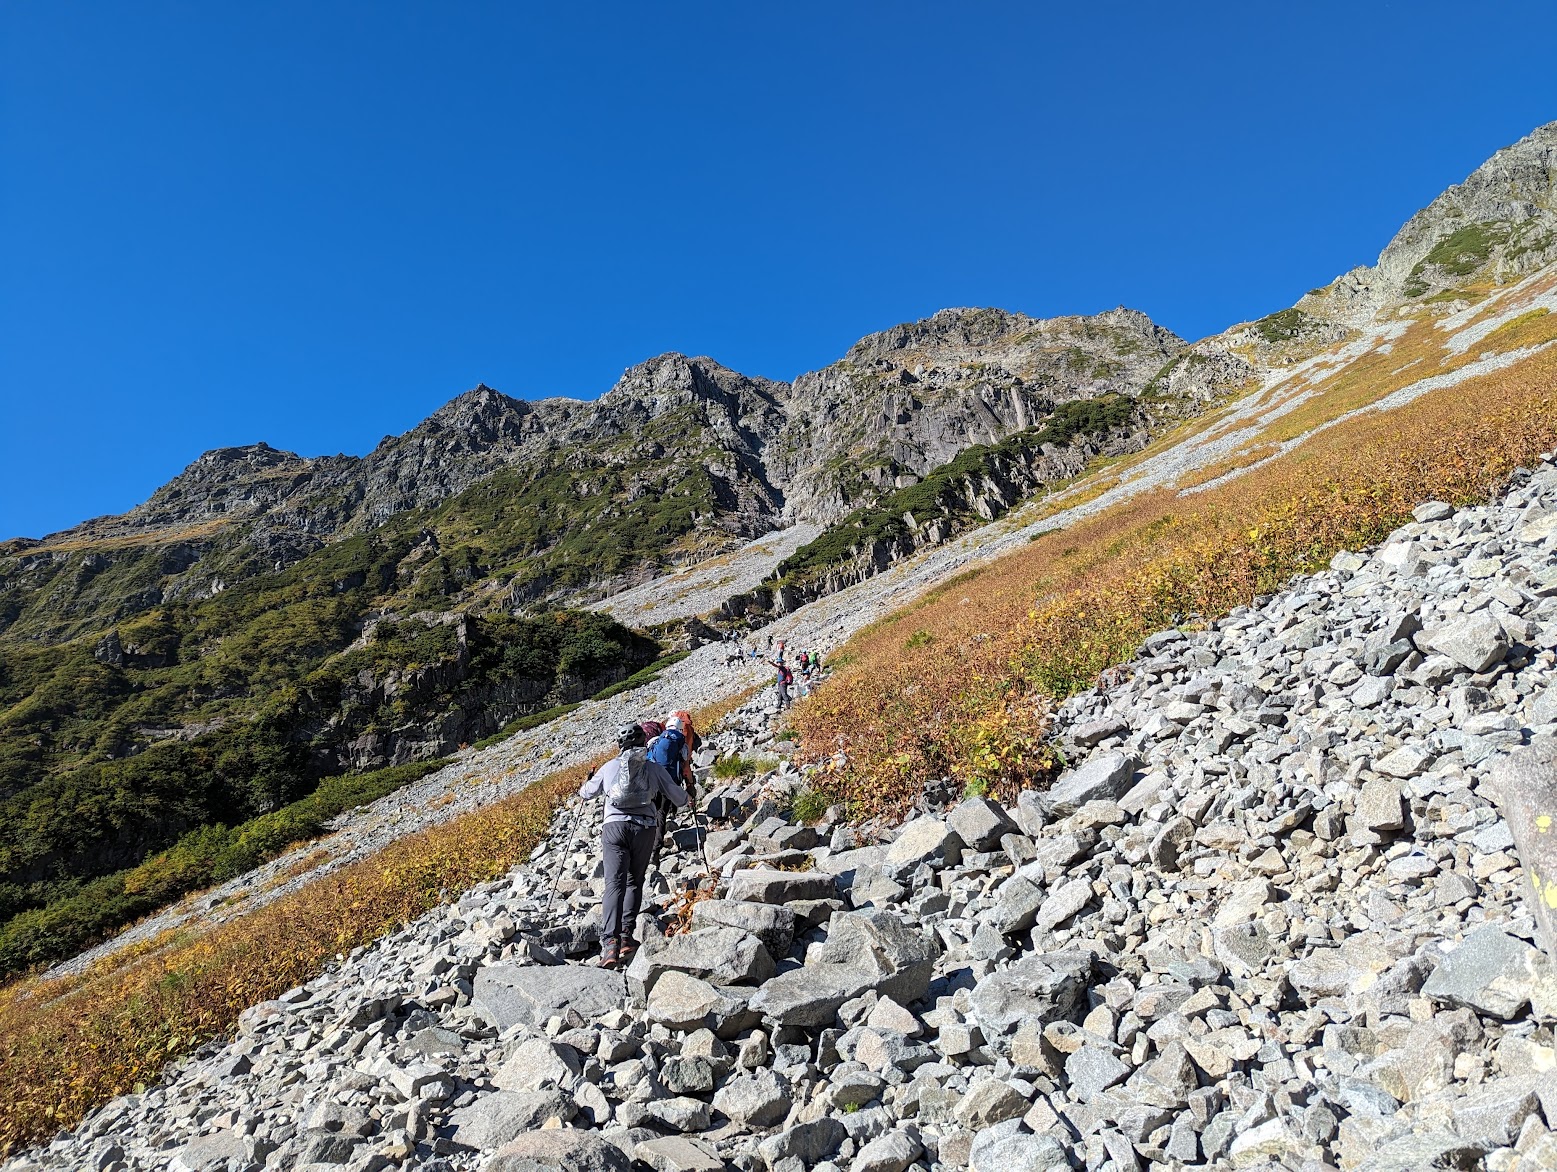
<point x="632" y="790"/>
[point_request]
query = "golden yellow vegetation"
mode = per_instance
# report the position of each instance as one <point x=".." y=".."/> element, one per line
<point x="959" y="683"/>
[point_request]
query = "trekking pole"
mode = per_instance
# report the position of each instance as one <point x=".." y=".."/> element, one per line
<point x="562" y="861"/>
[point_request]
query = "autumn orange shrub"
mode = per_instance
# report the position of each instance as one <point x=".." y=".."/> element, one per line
<point x="958" y="683"/>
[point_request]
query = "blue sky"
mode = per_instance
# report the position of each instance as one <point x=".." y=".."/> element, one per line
<point x="313" y="223"/>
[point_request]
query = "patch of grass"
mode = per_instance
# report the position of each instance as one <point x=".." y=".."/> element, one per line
<point x="735" y="766"/>
<point x="1285" y="326"/>
<point x="1458" y="254"/>
<point x="1534" y="328"/>
<point x="809" y="805"/>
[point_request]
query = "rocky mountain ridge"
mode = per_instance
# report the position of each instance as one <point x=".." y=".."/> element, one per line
<point x="762" y="454"/>
<point x="898" y="405"/>
<point x="1496" y="227"/>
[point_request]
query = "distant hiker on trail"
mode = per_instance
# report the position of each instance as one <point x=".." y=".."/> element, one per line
<point x="630" y="783"/>
<point x="784" y="679"/>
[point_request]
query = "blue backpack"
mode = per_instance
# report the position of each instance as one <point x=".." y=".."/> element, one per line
<point x="666" y="750"/>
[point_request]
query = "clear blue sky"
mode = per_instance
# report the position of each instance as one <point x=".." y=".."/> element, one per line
<point x="313" y="223"/>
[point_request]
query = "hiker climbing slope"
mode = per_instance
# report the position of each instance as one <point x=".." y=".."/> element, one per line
<point x="629" y="783"/>
<point x="784" y="678"/>
<point x="672" y="747"/>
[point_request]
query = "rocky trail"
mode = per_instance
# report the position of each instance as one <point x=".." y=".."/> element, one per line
<point x="1271" y="917"/>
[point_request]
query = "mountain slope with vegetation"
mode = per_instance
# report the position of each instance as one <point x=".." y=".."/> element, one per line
<point x="265" y="621"/>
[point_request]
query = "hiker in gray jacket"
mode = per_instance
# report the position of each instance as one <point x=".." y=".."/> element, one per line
<point x="629" y="782"/>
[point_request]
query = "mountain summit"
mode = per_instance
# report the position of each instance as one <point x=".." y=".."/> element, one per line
<point x="1500" y="224"/>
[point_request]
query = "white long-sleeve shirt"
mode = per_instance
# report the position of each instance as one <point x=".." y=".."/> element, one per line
<point x="661" y="783"/>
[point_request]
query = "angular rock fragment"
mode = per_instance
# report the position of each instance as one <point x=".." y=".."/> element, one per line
<point x="1105" y="776"/>
<point x="763" y="886"/>
<point x="558" y="1150"/>
<point x="1041" y="988"/>
<point x="773" y="925"/>
<point x="508" y="996"/>
<point x="1490" y="971"/>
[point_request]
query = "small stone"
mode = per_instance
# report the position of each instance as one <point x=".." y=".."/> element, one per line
<point x="980" y="823"/>
<point x="1062" y="903"/>
<point x="558" y="1150"/>
<point x="1475" y="641"/>
<point x="997" y="1151"/>
<point x="1379" y="806"/>
<point x="538" y="1063"/>
<point x="680" y="1113"/>
<point x="1495" y="1111"/>
<point x="1404" y="763"/>
<point x="493" y="1120"/>
<point x="1372" y="691"/>
<point x="687" y="1003"/>
<point x="755" y="1100"/>
<point x="1258" y="1145"/>
<point x="1020" y="899"/>
<point x="1039" y="989"/>
<point x="773" y="925"/>
<point x="989" y="1102"/>
<point x="1091" y="1070"/>
<point x="1106" y="776"/>
<point x="925" y="840"/>
<point x="893" y="1152"/>
<point x="678" y="1153"/>
<point x="809" y="1143"/>
<point x="777" y="887"/>
<point x="506" y="995"/>
<point x="887" y="1014"/>
<point x="1093" y="732"/>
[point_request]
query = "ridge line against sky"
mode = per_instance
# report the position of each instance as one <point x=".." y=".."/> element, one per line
<point x="312" y="225"/>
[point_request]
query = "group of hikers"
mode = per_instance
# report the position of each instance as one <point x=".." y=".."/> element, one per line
<point x="650" y="776"/>
<point x="801" y="673"/>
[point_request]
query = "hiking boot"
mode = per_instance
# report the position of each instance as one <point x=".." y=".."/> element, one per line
<point x="610" y="954"/>
<point x="625" y="952"/>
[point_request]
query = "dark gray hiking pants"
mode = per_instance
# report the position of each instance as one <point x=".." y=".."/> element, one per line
<point x="626" y="848"/>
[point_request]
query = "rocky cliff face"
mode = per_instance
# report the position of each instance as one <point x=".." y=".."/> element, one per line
<point x="1497" y="226"/>
<point x="907" y="400"/>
